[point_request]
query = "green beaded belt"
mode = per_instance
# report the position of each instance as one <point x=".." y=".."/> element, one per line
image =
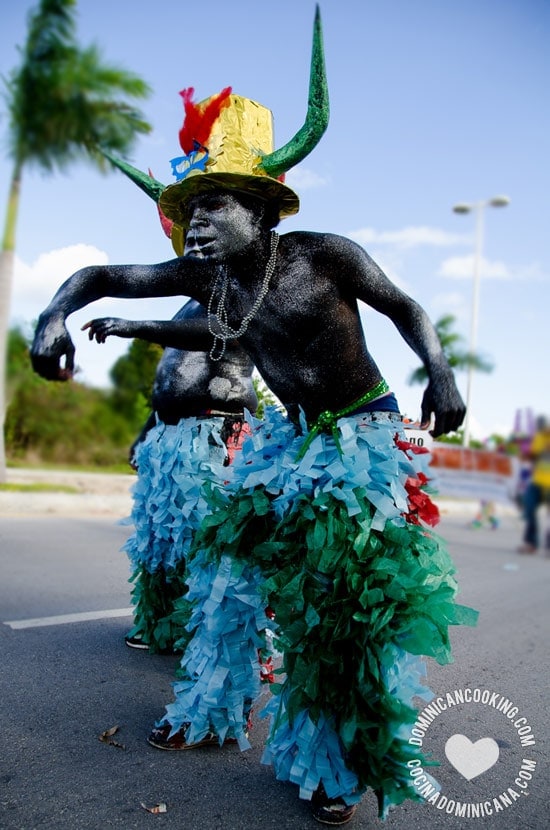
<point x="326" y="421"/>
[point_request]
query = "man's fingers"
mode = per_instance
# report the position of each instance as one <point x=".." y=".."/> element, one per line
<point x="95" y="329"/>
<point x="425" y="415"/>
<point x="445" y="424"/>
<point x="49" y="368"/>
<point x="42" y="366"/>
<point x="90" y="326"/>
<point x="69" y="359"/>
<point x="441" y="426"/>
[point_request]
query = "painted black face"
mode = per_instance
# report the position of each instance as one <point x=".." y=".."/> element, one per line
<point x="221" y="226"/>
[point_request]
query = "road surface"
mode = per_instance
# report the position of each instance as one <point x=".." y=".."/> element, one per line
<point x="66" y="680"/>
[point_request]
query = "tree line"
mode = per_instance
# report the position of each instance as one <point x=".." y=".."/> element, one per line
<point x="63" y="103"/>
<point x="72" y="424"/>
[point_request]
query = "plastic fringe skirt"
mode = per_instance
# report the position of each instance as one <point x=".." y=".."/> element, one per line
<point x="222" y="659"/>
<point x="161" y="612"/>
<point x="168" y="506"/>
<point x="360" y="589"/>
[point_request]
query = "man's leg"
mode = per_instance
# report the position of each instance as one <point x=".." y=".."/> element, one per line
<point x="221" y="663"/>
<point x="173" y="462"/>
<point x="531" y="502"/>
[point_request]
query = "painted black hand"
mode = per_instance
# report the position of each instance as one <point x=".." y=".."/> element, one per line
<point x="442" y="399"/>
<point x="102" y="327"/>
<point x="52" y="350"/>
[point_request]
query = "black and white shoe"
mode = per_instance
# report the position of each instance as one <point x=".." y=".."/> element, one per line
<point x="136" y="642"/>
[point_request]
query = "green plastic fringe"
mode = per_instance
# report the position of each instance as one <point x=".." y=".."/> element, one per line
<point x="345" y="597"/>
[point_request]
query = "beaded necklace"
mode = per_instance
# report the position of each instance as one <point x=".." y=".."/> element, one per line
<point x="226" y="332"/>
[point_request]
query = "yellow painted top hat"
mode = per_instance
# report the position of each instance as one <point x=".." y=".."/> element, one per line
<point x="241" y="137"/>
<point x="228" y="143"/>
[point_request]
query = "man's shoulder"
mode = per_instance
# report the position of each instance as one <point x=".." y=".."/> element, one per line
<point x="320" y="235"/>
<point x="314" y="240"/>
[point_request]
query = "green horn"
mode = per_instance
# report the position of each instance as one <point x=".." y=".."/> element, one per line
<point x="317" y="115"/>
<point x="147" y="183"/>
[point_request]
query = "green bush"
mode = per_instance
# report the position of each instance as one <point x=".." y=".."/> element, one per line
<point x="71" y="423"/>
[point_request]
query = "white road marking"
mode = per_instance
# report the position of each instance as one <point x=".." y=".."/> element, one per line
<point x="62" y="619"/>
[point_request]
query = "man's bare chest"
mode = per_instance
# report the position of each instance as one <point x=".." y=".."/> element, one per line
<point x="294" y="305"/>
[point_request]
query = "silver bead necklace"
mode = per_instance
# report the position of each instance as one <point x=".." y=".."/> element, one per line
<point x="226" y="332"/>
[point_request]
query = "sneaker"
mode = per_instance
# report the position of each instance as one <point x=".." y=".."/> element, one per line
<point x="333" y="811"/>
<point x="160" y="738"/>
<point x="136" y="642"/>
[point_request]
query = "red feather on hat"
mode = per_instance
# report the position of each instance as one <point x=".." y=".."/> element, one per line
<point x="199" y="118"/>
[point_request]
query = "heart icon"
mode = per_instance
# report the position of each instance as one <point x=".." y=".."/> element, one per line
<point x="471" y="759"/>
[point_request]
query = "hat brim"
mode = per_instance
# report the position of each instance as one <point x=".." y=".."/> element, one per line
<point x="174" y="201"/>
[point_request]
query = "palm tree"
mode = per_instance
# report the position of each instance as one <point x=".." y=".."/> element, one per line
<point x="63" y="105"/>
<point x="458" y="359"/>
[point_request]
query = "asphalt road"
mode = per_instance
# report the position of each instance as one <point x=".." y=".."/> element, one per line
<point x="63" y="684"/>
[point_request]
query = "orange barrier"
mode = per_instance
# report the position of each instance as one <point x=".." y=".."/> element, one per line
<point x="477" y="474"/>
<point x="451" y="457"/>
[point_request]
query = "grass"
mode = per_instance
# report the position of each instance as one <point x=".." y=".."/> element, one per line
<point x="37" y="488"/>
<point x="115" y="469"/>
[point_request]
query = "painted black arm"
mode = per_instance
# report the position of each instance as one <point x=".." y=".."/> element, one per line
<point x="189" y="334"/>
<point x="52" y="351"/>
<point x="368" y="282"/>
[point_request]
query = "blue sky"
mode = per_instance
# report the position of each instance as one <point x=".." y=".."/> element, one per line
<point x="433" y="102"/>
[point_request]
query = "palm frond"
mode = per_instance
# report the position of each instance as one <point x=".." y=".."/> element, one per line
<point x="458" y="359"/>
<point x="64" y="101"/>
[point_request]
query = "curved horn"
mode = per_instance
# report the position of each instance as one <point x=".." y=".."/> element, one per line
<point x="317" y="115"/>
<point x="147" y="183"/>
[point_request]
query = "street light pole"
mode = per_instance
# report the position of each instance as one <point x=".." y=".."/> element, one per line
<point x="477" y="208"/>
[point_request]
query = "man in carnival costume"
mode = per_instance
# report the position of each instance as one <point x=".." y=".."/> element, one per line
<point x="325" y="522"/>
<point x="196" y="428"/>
<point x="192" y="435"/>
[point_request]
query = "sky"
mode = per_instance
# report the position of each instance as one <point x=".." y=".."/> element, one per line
<point x="433" y="103"/>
